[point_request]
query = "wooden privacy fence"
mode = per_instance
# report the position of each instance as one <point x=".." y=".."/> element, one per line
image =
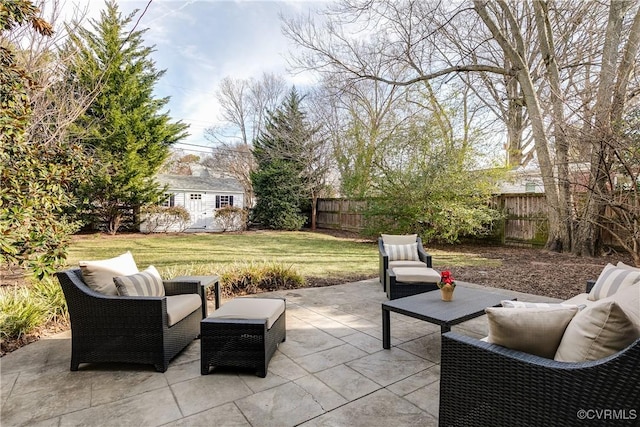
<point x="340" y="214"/>
<point x="525" y="219"/>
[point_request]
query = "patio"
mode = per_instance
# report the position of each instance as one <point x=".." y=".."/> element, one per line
<point x="332" y="370"/>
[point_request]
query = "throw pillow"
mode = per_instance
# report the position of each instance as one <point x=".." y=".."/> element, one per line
<point x="600" y="330"/>
<point x="621" y="264"/>
<point x="629" y="301"/>
<point x="522" y="304"/>
<point x="611" y="280"/>
<point x="98" y="275"/>
<point x="395" y="239"/>
<point x="147" y="283"/>
<point x="402" y="252"/>
<point x="531" y="330"/>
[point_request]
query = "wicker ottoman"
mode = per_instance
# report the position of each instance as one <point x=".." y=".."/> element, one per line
<point x="407" y="281"/>
<point x="244" y="333"/>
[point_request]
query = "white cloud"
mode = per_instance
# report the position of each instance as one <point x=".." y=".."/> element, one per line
<point x="201" y="42"/>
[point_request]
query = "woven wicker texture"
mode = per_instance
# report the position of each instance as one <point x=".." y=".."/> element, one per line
<point x="243" y="343"/>
<point x="124" y="329"/>
<point x="483" y="384"/>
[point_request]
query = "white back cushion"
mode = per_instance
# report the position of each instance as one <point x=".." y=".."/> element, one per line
<point x="98" y="275"/>
<point x="395" y="239"/>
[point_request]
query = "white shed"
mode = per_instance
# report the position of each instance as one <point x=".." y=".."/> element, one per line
<point x="201" y="195"/>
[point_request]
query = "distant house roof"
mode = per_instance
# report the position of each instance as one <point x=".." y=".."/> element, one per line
<point x="201" y="183"/>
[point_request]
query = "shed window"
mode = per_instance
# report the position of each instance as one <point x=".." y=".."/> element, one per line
<point x="169" y="200"/>
<point x="195" y="196"/>
<point x="222" y="201"/>
<point x="530" y="187"/>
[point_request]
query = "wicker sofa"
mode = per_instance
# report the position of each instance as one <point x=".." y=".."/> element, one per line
<point x="131" y="329"/>
<point x="487" y="384"/>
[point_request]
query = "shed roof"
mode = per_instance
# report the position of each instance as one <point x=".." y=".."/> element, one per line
<point x="200" y="183"/>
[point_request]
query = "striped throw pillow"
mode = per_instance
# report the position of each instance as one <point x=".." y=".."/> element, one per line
<point x="611" y="280"/>
<point x="147" y="283"/>
<point x="402" y="252"/>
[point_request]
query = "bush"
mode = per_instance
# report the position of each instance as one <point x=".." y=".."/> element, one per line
<point x="251" y="278"/>
<point x="231" y="218"/>
<point x="23" y="309"/>
<point x="163" y="219"/>
<point x="20" y="312"/>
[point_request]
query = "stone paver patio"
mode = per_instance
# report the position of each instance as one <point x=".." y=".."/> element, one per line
<point x="331" y="371"/>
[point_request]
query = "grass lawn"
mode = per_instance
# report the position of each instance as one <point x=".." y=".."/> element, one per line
<point x="313" y="255"/>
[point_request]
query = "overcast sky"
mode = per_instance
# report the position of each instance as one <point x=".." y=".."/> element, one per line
<point x="199" y="43"/>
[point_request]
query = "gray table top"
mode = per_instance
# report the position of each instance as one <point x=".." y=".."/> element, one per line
<point x="467" y="303"/>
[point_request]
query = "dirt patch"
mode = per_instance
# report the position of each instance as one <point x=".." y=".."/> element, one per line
<point x="534" y="271"/>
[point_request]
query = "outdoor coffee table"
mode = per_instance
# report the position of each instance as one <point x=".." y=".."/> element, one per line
<point x="467" y="303"/>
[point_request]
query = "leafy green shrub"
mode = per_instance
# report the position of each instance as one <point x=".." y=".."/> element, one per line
<point x="20" y="313"/>
<point x="50" y="294"/>
<point x="251" y="278"/>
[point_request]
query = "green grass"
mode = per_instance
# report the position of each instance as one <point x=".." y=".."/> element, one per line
<point x="309" y="254"/>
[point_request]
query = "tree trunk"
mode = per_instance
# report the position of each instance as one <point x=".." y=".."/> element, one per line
<point x="547" y="49"/>
<point x="314" y="211"/>
<point x="587" y="240"/>
<point x="558" y="239"/>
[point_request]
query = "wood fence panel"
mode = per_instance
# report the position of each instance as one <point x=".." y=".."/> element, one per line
<point x="340" y="214"/>
<point x="525" y="222"/>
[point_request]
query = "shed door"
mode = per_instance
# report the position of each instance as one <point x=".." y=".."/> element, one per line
<point x="197" y="210"/>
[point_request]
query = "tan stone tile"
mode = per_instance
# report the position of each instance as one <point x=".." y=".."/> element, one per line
<point x="381" y="408"/>
<point x="209" y="391"/>
<point x="148" y="409"/>
<point x="349" y="383"/>
<point x="325" y="359"/>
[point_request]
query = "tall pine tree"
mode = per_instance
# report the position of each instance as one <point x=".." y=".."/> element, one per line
<point x="124" y="125"/>
<point x="282" y="179"/>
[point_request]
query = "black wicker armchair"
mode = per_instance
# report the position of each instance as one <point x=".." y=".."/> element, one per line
<point x="425" y="260"/>
<point x="487" y="384"/>
<point x="125" y="329"/>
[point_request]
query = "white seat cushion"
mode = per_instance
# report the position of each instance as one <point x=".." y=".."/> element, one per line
<point x="180" y="306"/>
<point x="579" y="299"/>
<point x="251" y="308"/>
<point x="416" y="274"/>
<point x="98" y="275"/>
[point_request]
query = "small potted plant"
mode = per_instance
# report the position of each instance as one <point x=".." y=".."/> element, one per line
<point x="446" y="284"/>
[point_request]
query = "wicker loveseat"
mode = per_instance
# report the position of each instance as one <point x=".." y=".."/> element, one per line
<point x="487" y="384"/>
<point x="131" y="329"/>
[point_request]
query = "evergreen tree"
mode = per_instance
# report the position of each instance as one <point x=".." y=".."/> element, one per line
<point x="124" y="125"/>
<point x="283" y="176"/>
